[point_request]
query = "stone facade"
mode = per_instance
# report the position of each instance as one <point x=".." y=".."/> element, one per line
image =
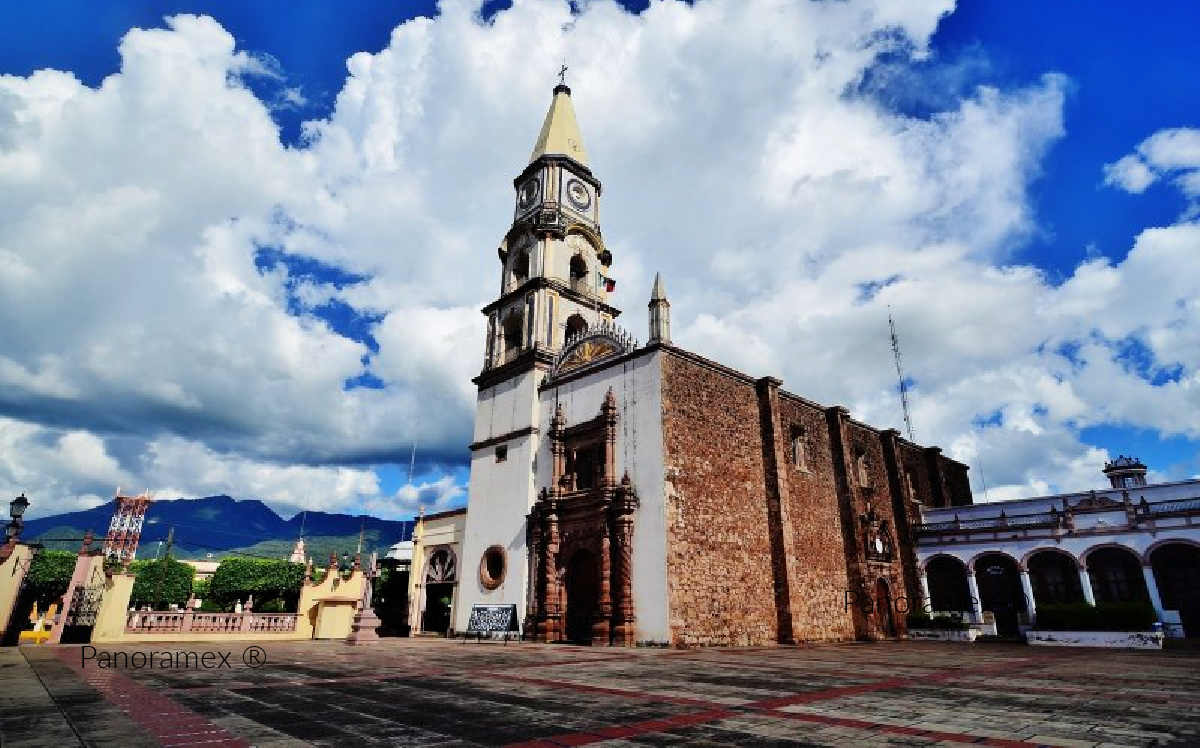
<point x="784" y="516"/>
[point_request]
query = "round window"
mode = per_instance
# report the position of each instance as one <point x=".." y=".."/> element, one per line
<point x="492" y="567"/>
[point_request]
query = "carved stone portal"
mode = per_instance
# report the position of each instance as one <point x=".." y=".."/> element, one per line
<point x="581" y="536"/>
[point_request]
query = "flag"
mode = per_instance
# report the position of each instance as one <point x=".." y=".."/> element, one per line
<point x="609" y="284"/>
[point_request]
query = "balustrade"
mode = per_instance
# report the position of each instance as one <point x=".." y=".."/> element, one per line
<point x="182" y="622"/>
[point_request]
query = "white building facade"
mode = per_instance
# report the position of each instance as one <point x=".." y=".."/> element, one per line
<point x="1131" y="542"/>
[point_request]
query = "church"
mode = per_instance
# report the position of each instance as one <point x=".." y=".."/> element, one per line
<point x="625" y="493"/>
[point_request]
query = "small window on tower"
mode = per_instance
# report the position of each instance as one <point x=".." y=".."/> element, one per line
<point x="578" y="270"/>
<point x="512" y="334"/>
<point x="502" y="453"/>
<point x="576" y="325"/>
<point x="521" y="268"/>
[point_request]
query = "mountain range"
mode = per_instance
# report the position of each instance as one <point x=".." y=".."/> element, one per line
<point x="224" y="526"/>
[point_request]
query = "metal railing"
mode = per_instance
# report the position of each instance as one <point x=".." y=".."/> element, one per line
<point x="1046" y="519"/>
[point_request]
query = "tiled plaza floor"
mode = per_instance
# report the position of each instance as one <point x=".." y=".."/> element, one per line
<point x="445" y="693"/>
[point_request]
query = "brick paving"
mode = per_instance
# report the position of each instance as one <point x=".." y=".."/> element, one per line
<point x="445" y="693"/>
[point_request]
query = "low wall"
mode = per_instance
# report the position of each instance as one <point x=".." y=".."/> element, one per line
<point x="12" y="575"/>
<point x="1107" y="639"/>
<point x="327" y="606"/>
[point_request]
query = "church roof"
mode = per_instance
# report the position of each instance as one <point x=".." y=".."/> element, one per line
<point x="560" y="132"/>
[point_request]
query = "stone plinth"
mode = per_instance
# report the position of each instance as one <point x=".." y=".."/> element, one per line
<point x="363" y="630"/>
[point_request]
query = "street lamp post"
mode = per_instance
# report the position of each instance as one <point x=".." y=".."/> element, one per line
<point x="16" y="509"/>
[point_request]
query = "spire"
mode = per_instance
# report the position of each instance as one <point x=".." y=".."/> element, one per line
<point x="658" y="293"/>
<point x="560" y="132"/>
<point x="660" y="313"/>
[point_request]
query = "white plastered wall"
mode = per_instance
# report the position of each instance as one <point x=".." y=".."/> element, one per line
<point x="637" y="386"/>
<point x="499" y="494"/>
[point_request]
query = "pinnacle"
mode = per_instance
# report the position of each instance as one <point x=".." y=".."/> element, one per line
<point x="658" y="293"/>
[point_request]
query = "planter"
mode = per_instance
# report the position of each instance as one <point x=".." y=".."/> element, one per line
<point x="1109" y="639"/>
<point x="944" y="635"/>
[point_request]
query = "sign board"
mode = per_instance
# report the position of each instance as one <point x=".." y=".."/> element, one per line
<point x="493" y="619"/>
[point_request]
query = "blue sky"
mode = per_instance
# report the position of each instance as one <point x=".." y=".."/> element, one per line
<point x="312" y="313"/>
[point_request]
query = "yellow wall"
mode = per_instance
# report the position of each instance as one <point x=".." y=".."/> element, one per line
<point x="435" y="533"/>
<point x="327" y="618"/>
<point x="110" y="619"/>
<point x="12" y="574"/>
<point x="334" y="619"/>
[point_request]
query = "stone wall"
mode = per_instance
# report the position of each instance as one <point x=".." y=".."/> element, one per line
<point x="776" y="507"/>
<point x="719" y="561"/>
<point x="872" y="504"/>
<point x="820" y="579"/>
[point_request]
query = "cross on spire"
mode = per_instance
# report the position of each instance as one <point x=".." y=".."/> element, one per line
<point x="562" y="74"/>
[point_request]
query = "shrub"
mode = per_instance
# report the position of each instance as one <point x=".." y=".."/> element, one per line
<point x="1101" y="617"/>
<point x="918" y="621"/>
<point x="266" y="579"/>
<point x="941" y="622"/>
<point x="200" y="588"/>
<point x="161" y="583"/>
<point x="49" y="575"/>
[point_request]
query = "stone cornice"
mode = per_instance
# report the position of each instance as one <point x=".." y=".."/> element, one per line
<point x="564" y="290"/>
<point x="529" y="359"/>
<point x="493" y="441"/>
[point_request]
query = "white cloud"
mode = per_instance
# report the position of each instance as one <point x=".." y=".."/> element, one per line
<point x="1172" y="153"/>
<point x="786" y="207"/>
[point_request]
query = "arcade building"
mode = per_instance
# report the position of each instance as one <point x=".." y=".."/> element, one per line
<point x="1130" y="542"/>
<point x="626" y="493"/>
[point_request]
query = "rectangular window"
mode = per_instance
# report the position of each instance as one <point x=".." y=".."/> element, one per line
<point x="502" y="453"/>
<point x="530" y="311"/>
<point x="491" y="339"/>
<point x="550" y="321"/>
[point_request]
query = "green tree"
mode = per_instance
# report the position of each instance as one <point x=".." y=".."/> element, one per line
<point x="161" y="583"/>
<point x="200" y="588"/>
<point x="269" y="581"/>
<point x="49" y="575"/>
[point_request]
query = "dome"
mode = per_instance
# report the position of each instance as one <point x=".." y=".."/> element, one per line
<point x="401" y="551"/>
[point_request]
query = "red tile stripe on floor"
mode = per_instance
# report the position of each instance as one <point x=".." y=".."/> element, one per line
<point x="771" y="707"/>
<point x="169" y="722"/>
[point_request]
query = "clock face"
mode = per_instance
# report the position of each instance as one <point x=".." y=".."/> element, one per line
<point x="577" y="193"/>
<point x="528" y="194"/>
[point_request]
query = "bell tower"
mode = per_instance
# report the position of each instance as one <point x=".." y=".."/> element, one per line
<point x="554" y="285"/>
<point x="554" y="279"/>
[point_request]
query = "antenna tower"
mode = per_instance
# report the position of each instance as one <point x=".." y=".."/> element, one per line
<point x="900" y="373"/>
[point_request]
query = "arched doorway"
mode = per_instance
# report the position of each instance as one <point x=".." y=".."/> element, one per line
<point x="1117" y="576"/>
<point x="440" y="578"/>
<point x="1177" y="571"/>
<point x="1000" y="592"/>
<point x="948" y="590"/>
<point x="583" y="596"/>
<point x="1054" y="577"/>
<point x="883" y="606"/>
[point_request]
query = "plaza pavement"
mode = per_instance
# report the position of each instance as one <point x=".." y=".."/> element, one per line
<point x="444" y="693"/>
